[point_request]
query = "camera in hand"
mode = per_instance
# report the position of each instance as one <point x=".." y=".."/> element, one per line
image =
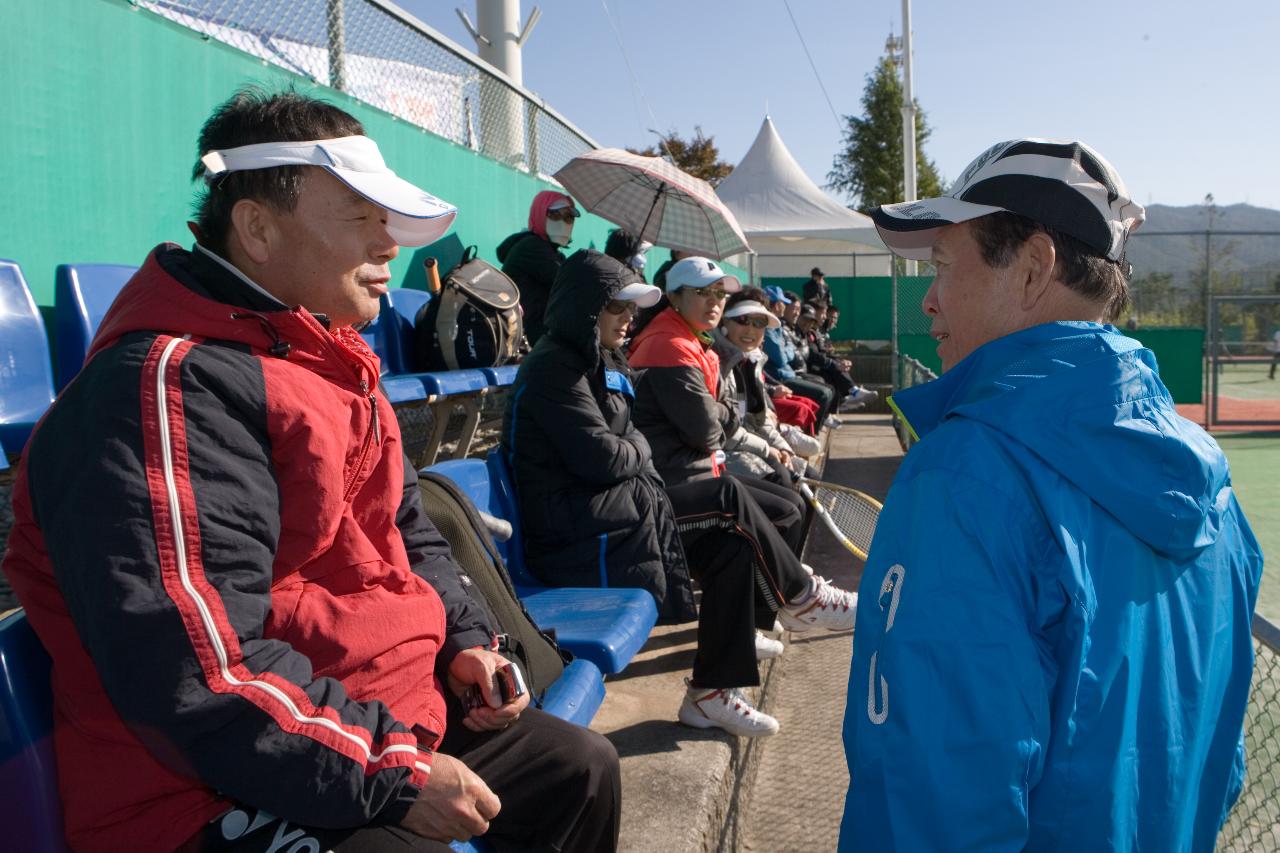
<point x="508" y="685"/>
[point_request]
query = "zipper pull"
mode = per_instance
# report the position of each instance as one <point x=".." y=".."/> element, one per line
<point x="373" y="405"/>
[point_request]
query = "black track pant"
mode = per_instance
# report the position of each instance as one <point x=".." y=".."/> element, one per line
<point x="746" y="569"/>
<point x="816" y="390"/>
<point x="788" y="512"/>
<point x="558" y="784"/>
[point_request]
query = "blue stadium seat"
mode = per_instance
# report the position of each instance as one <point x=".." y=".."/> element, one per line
<point x="577" y="694"/>
<point x="26" y="377"/>
<point x="604" y="626"/>
<point x="81" y="296"/>
<point x="30" y="810"/>
<point x="405" y="305"/>
<point x="503" y="376"/>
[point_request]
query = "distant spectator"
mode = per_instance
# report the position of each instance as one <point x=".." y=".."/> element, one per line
<point x="792" y="408"/>
<point x="786" y="365"/>
<point x="741" y="334"/>
<point x="660" y="277"/>
<point x="816" y="289"/>
<point x="1274" y="346"/>
<point x="628" y="250"/>
<point x="596" y="512"/>
<point x="532" y="257"/>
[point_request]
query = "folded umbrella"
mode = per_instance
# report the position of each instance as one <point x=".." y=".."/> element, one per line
<point x="649" y="197"/>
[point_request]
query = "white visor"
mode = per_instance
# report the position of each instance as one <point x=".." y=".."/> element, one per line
<point x="644" y="295"/>
<point x="416" y="217"/>
<point x="742" y="309"/>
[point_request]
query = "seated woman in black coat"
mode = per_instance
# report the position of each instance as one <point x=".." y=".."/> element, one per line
<point x="596" y="514"/>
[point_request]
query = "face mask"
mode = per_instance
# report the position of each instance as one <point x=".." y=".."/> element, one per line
<point x="559" y="232"/>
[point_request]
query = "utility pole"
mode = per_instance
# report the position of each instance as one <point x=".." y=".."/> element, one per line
<point x="908" y="118"/>
<point x="499" y="40"/>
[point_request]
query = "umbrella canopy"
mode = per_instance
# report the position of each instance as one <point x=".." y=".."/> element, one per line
<point x="654" y="200"/>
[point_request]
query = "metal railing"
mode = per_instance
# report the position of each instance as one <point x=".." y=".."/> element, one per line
<point x="1254" y="823"/>
<point x="910" y="372"/>
<point x="382" y="55"/>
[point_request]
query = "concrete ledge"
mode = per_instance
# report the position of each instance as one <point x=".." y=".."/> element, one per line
<point x="680" y="785"/>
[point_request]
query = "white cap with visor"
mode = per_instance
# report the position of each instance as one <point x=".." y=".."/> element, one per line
<point x="415" y="216"/>
<point x="643" y="295"/>
<point x="748" y="307"/>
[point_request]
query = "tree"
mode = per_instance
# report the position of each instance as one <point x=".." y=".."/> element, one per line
<point x="698" y="155"/>
<point x="869" y="167"/>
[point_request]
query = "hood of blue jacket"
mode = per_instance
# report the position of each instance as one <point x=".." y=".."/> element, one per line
<point x="1088" y="402"/>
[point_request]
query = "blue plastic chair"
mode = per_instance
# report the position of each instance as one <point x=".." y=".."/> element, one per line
<point x="30" y="808"/>
<point x="26" y="377"/>
<point x="606" y="626"/>
<point x="82" y="294"/>
<point x="503" y="376"/>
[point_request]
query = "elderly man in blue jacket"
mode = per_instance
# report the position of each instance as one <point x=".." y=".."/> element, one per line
<point x="1053" y="647"/>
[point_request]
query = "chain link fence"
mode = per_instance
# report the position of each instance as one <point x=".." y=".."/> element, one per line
<point x="1254" y="823"/>
<point x="377" y="53"/>
<point x="1174" y="272"/>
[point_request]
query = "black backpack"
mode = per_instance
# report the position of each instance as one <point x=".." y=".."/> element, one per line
<point x="474" y="321"/>
<point x="459" y="522"/>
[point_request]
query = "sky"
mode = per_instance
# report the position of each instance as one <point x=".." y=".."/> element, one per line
<point x="1180" y="96"/>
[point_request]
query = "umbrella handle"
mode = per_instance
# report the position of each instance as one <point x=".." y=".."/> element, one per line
<point x="662" y="189"/>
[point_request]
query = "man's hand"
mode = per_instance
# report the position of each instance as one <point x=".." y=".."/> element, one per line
<point x="454" y="804"/>
<point x="782" y="392"/>
<point x="477" y="666"/>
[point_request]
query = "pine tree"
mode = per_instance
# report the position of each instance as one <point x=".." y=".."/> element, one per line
<point x="697" y="155"/>
<point x="869" y="167"/>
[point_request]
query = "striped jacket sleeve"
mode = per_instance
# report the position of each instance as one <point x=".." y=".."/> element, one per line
<point x="161" y="522"/>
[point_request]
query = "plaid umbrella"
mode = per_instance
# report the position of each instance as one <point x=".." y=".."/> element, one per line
<point x="649" y="197"/>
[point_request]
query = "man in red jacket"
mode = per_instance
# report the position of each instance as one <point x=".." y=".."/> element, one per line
<point x="258" y="638"/>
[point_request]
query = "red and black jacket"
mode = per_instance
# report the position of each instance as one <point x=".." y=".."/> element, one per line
<point x="220" y="544"/>
<point x="679" y="404"/>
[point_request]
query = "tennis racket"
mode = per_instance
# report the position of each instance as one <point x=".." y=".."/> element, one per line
<point x="849" y="514"/>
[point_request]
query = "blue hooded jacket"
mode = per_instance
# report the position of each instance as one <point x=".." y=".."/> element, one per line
<point x="1053" y="647"/>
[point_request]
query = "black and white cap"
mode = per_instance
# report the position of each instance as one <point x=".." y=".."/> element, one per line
<point x="1065" y="185"/>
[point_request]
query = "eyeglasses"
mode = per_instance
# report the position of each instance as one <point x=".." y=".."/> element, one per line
<point x="716" y="293"/>
<point x="617" y="307"/>
<point x="755" y="321"/>
<point x="564" y="214"/>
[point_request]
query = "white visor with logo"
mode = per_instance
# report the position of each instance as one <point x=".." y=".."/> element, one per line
<point x="415" y="216"/>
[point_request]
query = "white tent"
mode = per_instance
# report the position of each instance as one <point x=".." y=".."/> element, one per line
<point x="792" y="224"/>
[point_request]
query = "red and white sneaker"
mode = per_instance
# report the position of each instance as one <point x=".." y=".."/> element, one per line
<point x="726" y="708"/>
<point x="825" y="606"/>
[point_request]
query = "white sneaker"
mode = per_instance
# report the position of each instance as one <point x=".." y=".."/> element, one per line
<point x="727" y="708"/>
<point x="801" y="442"/>
<point x="834" y="422"/>
<point x="856" y="400"/>
<point x="825" y="606"/>
<point x="767" y="647"/>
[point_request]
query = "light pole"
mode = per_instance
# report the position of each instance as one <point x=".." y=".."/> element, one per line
<point x="908" y="119"/>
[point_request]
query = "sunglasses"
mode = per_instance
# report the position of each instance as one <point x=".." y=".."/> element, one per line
<point x="564" y="214"/>
<point x="756" y="322"/>
<point x="617" y="307"/>
<point x="716" y="293"/>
